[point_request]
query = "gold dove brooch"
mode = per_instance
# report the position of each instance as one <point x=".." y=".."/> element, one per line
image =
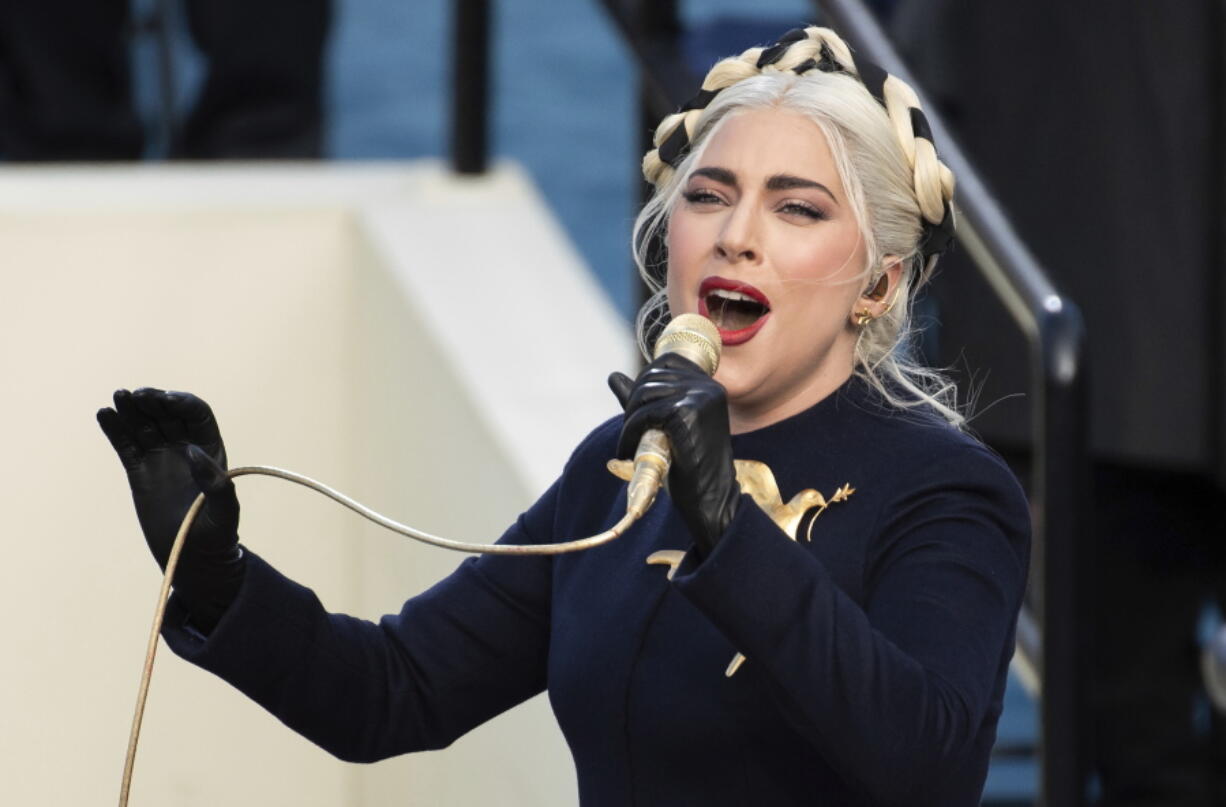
<point x="756" y="479"/>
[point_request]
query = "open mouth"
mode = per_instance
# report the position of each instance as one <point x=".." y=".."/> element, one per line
<point x="737" y="309"/>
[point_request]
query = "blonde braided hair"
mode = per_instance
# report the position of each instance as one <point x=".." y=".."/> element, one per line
<point x="885" y="156"/>
<point x="816" y="49"/>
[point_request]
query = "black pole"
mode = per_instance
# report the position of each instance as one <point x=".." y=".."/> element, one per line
<point x="655" y="23"/>
<point x="166" y="77"/>
<point x="155" y="22"/>
<point x="1217" y="242"/>
<point x="1065" y="566"/>
<point x="470" y="86"/>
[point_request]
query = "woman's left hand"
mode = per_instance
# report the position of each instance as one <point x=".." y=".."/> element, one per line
<point x="673" y="394"/>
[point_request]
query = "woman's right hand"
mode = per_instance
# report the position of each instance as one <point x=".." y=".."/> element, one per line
<point x="691" y="407"/>
<point x="171" y="449"/>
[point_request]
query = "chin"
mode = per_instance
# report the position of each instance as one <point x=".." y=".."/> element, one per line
<point x="740" y="382"/>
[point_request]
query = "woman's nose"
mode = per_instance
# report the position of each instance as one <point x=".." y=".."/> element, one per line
<point x="737" y="240"/>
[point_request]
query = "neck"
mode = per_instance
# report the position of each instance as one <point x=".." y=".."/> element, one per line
<point x="746" y="415"/>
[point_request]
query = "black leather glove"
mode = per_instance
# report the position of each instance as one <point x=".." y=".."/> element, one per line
<point x="673" y="394"/>
<point x="171" y="448"/>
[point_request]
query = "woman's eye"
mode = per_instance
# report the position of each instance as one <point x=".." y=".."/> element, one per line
<point x="701" y="197"/>
<point x="805" y="210"/>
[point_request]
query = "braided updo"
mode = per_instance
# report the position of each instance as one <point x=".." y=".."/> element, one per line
<point x="883" y="151"/>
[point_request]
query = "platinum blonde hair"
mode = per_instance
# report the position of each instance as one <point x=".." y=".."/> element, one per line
<point x="893" y="180"/>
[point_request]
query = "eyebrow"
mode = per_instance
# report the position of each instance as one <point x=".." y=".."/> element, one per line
<point x="778" y="182"/>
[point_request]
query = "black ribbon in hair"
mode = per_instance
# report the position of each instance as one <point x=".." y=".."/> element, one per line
<point x="775" y="52"/>
<point x="873" y="78"/>
<point x="937" y="238"/>
<point x="700" y="101"/>
<point x="829" y="64"/>
<point x="919" y="124"/>
<point x="674" y="146"/>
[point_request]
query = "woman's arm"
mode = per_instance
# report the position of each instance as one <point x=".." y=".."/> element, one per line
<point x="893" y="693"/>
<point x="469" y="648"/>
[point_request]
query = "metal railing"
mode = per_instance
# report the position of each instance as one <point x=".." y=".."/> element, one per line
<point x="1054" y="628"/>
<point x="470" y="50"/>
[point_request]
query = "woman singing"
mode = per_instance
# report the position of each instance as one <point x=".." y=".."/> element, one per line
<point x="847" y="644"/>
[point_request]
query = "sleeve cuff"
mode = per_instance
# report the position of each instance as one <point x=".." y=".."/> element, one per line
<point x="754" y="584"/>
<point x="257" y="615"/>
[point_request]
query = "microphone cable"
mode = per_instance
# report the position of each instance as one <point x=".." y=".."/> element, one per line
<point x="634" y="511"/>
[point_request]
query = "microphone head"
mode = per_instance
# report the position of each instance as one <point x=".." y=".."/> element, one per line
<point x="693" y="336"/>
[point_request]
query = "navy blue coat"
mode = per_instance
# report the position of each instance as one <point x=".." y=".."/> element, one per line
<point x="877" y="652"/>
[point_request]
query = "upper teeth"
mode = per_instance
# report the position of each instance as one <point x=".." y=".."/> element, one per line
<point x="733" y="295"/>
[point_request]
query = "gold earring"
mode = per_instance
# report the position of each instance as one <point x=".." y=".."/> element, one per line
<point x="864" y="317"/>
<point x="890" y="307"/>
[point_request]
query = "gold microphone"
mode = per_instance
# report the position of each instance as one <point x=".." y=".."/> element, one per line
<point x="696" y="338"/>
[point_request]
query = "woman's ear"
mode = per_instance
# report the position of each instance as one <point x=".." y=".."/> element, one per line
<point x="878" y="290"/>
<point x="881" y="293"/>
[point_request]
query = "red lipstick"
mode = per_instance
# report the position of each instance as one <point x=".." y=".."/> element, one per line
<point x="741" y="335"/>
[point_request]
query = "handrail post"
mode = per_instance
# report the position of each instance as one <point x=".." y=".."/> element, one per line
<point x="1066" y="563"/>
<point x="470" y="86"/>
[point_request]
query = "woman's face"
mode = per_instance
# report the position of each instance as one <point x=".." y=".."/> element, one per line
<point x="764" y="241"/>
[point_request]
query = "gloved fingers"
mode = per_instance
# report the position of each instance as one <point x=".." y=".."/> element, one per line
<point x="674" y="367"/>
<point x="680" y="416"/>
<point x="675" y="361"/>
<point x="152" y="402"/>
<point x="198" y="421"/>
<point x="669" y="370"/>
<point x="206" y="473"/>
<point x="621" y="385"/>
<point x="658" y="385"/>
<point x="220" y="503"/>
<point x="666" y="389"/>
<point x="120" y="436"/>
<point x="702" y="397"/>
<point x="220" y="511"/>
<point x="679" y="387"/>
<point x="651" y="416"/>
<point x="144" y="431"/>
